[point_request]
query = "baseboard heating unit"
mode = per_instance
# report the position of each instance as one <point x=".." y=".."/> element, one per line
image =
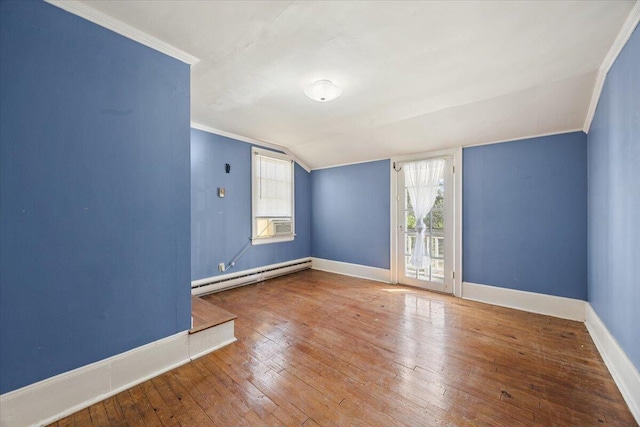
<point x="247" y="277"/>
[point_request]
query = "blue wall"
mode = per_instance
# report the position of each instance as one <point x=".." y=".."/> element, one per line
<point x="94" y="194"/>
<point x="222" y="226"/>
<point x="524" y="215"/>
<point x="614" y="201"/>
<point x="350" y="216"/>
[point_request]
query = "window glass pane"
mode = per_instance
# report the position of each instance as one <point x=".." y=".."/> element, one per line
<point x="434" y="238"/>
<point x="439" y="203"/>
<point x="410" y="220"/>
<point x="437" y="220"/>
<point x="410" y="242"/>
<point x="407" y="200"/>
<point x="437" y="270"/>
<point x="437" y="247"/>
<point x="274" y="187"/>
<point x="410" y="271"/>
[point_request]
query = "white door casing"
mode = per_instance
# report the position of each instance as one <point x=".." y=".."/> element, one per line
<point x="445" y="275"/>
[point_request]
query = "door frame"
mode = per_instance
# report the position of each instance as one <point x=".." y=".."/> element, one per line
<point x="456" y="154"/>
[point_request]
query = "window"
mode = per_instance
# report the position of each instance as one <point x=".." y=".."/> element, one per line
<point x="272" y="194"/>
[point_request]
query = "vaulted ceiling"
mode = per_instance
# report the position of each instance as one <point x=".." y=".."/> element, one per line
<point x="416" y="76"/>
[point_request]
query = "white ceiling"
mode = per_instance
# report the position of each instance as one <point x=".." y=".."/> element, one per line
<point x="415" y="76"/>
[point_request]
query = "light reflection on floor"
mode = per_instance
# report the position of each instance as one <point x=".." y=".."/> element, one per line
<point x="398" y="290"/>
<point x="419" y="336"/>
<point x="422" y="338"/>
<point x="422" y="306"/>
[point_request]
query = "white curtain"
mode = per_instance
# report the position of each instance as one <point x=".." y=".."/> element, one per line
<point x="422" y="179"/>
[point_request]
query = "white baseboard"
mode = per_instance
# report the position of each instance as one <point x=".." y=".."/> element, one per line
<point x="565" y="308"/>
<point x="354" y="270"/>
<point x="211" y="339"/>
<point x="51" y="399"/>
<point x="624" y="373"/>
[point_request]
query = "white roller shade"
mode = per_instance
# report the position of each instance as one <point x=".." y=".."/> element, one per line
<point x="273" y="184"/>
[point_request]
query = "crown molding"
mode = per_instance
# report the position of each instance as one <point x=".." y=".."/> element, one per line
<point x="405" y="157"/>
<point x="87" y="12"/>
<point x="522" y="138"/>
<point x="618" y="44"/>
<point x="359" y="162"/>
<point x="253" y="141"/>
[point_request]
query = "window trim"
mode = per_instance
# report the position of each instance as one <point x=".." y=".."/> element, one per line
<point x="255" y="240"/>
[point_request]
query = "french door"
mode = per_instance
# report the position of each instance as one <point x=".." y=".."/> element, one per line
<point x="435" y="273"/>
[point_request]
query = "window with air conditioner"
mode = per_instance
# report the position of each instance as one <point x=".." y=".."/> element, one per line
<point x="272" y="197"/>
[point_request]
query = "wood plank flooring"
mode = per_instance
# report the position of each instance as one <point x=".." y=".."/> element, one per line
<point x="319" y="349"/>
<point x="206" y="315"/>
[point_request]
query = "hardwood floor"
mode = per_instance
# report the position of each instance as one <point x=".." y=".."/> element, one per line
<point x="321" y="349"/>
<point x="206" y="315"/>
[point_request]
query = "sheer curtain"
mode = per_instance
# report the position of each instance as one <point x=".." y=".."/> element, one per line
<point x="422" y="179"/>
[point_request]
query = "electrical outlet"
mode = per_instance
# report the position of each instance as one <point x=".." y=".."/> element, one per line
<point x="221" y="267"/>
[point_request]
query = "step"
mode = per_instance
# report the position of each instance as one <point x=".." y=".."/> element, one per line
<point x="213" y="328"/>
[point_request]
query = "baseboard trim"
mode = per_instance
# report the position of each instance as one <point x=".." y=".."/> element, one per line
<point x="353" y="270"/>
<point x="624" y="373"/>
<point x="550" y="305"/>
<point x="54" y="398"/>
<point x="210" y="339"/>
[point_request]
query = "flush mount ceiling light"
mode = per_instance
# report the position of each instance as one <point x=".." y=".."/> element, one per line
<point x="323" y="91"/>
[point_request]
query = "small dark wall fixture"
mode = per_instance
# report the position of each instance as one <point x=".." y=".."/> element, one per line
<point x="220" y="227"/>
<point x="227" y="167"/>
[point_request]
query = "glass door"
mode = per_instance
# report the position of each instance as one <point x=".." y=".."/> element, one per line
<point x="435" y="271"/>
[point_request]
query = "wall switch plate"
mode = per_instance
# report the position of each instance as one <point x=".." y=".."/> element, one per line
<point x="221" y="192"/>
<point x="221" y="267"/>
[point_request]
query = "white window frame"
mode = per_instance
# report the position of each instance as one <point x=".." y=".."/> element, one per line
<point x="255" y="240"/>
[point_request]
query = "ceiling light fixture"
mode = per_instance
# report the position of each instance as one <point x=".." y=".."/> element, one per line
<point x="323" y="91"/>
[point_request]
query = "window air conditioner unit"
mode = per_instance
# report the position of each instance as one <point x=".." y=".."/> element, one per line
<point x="281" y="227"/>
